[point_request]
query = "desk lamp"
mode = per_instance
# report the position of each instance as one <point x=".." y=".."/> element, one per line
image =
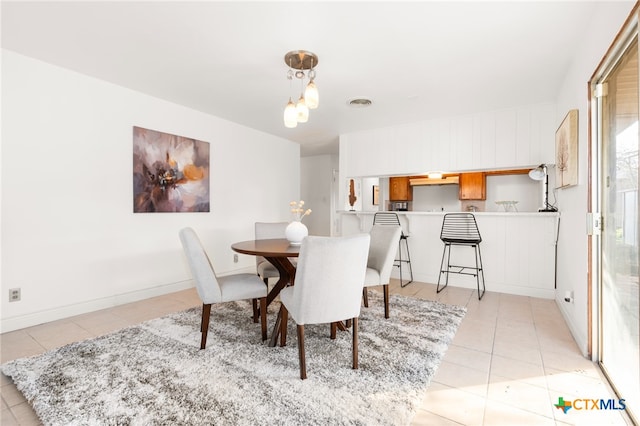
<point x="540" y="173"/>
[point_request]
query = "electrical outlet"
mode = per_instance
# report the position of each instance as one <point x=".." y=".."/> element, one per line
<point x="235" y="258"/>
<point x="14" y="295"/>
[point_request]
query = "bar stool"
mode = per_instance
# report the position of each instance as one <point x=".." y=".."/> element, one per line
<point x="460" y="229"/>
<point x="390" y="218"/>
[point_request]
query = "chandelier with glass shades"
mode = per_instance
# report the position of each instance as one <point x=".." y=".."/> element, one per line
<point x="302" y="61"/>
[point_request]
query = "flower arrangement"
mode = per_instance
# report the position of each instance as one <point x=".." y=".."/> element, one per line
<point x="298" y="210"/>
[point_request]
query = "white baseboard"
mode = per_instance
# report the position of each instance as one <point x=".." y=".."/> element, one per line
<point x="580" y="338"/>
<point x="35" y="318"/>
<point x="543" y="293"/>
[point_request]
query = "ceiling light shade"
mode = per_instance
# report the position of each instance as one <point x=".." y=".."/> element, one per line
<point x="302" y="61"/>
<point x="290" y="115"/>
<point x="302" y="111"/>
<point x="311" y="96"/>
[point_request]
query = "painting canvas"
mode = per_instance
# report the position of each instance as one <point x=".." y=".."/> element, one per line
<point x="170" y="173"/>
<point x="567" y="151"/>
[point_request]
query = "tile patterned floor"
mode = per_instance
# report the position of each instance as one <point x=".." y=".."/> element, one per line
<point x="511" y="359"/>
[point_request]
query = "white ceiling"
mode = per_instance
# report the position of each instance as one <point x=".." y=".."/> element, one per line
<point x="415" y="60"/>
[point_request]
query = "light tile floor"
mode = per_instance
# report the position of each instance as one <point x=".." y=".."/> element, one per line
<point x="510" y="361"/>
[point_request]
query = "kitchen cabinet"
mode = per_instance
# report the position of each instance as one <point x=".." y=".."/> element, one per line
<point x="400" y="189"/>
<point x="473" y="186"/>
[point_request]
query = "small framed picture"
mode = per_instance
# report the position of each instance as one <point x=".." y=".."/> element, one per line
<point x="376" y="195"/>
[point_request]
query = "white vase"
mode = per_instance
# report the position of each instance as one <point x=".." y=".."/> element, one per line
<point x="295" y="232"/>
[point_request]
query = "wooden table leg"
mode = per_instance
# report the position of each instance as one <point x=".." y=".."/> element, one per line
<point x="276" y="330"/>
<point x="287" y="275"/>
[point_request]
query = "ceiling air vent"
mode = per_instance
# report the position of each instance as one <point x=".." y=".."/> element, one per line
<point x="359" y="102"/>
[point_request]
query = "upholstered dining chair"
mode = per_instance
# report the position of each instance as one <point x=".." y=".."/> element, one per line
<point x="328" y="288"/>
<point x="382" y="252"/>
<point x="213" y="289"/>
<point x="267" y="231"/>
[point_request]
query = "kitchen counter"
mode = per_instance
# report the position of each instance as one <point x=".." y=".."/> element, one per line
<point x="518" y="248"/>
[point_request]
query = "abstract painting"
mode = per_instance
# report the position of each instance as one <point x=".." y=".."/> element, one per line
<point x="170" y="173"/>
<point x="567" y="151"/>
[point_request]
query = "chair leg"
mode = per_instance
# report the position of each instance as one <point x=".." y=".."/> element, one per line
<point x="365" y="297"/>
<point x="284" y="318"/>
<point x="254" y="303"/>
<point x="400" y="259"/>
<point x="204" y="324"/>
<point x="479" y="270"/>
<point x="408" y="261"/>
<point x="334" y="330"/>
<point x="263" y="317"/>
<point x="301" y="355"/>
<point x="355" y="343"/>
<point x="444" y="271"/>
<point x="385" y="292"/>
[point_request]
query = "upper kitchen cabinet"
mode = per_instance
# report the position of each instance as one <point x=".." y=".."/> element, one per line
<point x="473" y="186"/>
<point x="504" y="139"/>
<point x="400" y="189"/>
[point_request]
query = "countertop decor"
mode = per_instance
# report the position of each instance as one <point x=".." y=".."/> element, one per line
<point x="296" y="230"/>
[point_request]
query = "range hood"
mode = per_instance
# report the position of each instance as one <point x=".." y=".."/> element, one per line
<point x="424" y="180"/>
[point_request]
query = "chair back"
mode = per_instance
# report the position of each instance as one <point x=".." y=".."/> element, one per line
<point x="268" y="231"/>
<point x="460" y="228"/>
<point x="382" y="250"/>
<point x="201" y="269"/>
<point x="329" y="278"/>
<point x="386" y="218"/>
<point x="389" y="219"/>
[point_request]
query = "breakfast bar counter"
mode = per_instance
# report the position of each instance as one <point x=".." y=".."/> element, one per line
<point x="518" y="249"/>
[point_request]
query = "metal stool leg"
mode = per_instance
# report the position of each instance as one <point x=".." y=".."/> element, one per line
<point x="399" y="260"/>
<point x="442" y="271"/>
<point x="479" y="270"/>
<point x="407" y="261"/>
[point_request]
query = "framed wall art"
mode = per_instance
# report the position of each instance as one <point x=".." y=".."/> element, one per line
<point x="376" y="195"/>
<point x="567" y="151"/>
<point x="170" y="173"/>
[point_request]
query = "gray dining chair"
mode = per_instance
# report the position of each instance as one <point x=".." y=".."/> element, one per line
<point x="213" y="289"/>
<point x="382" y="252"/>
<point x="328" y="288"/>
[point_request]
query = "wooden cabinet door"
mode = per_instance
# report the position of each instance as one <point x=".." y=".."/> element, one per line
<point x="473" y="186"/>
<point x="399" y="189"/>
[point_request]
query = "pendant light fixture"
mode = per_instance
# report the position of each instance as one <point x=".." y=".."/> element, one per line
<point x="302" y="61"/>
<point x="290" y="115"/>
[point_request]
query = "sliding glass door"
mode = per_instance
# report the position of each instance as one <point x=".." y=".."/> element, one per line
<point x="619" y="322"/>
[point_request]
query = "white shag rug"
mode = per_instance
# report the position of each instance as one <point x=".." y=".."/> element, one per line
<point x="155" y="374"/>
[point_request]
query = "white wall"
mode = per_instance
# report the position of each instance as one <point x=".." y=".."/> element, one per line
<point x="521" y="188"/>
<point x="436" y="198"/>
<point x="70" y="240"/>
<point x="316" y="187"/>
<point x="572" y="202"/>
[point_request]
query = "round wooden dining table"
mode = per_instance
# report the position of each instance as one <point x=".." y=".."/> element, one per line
<point x="278" y="252"/>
